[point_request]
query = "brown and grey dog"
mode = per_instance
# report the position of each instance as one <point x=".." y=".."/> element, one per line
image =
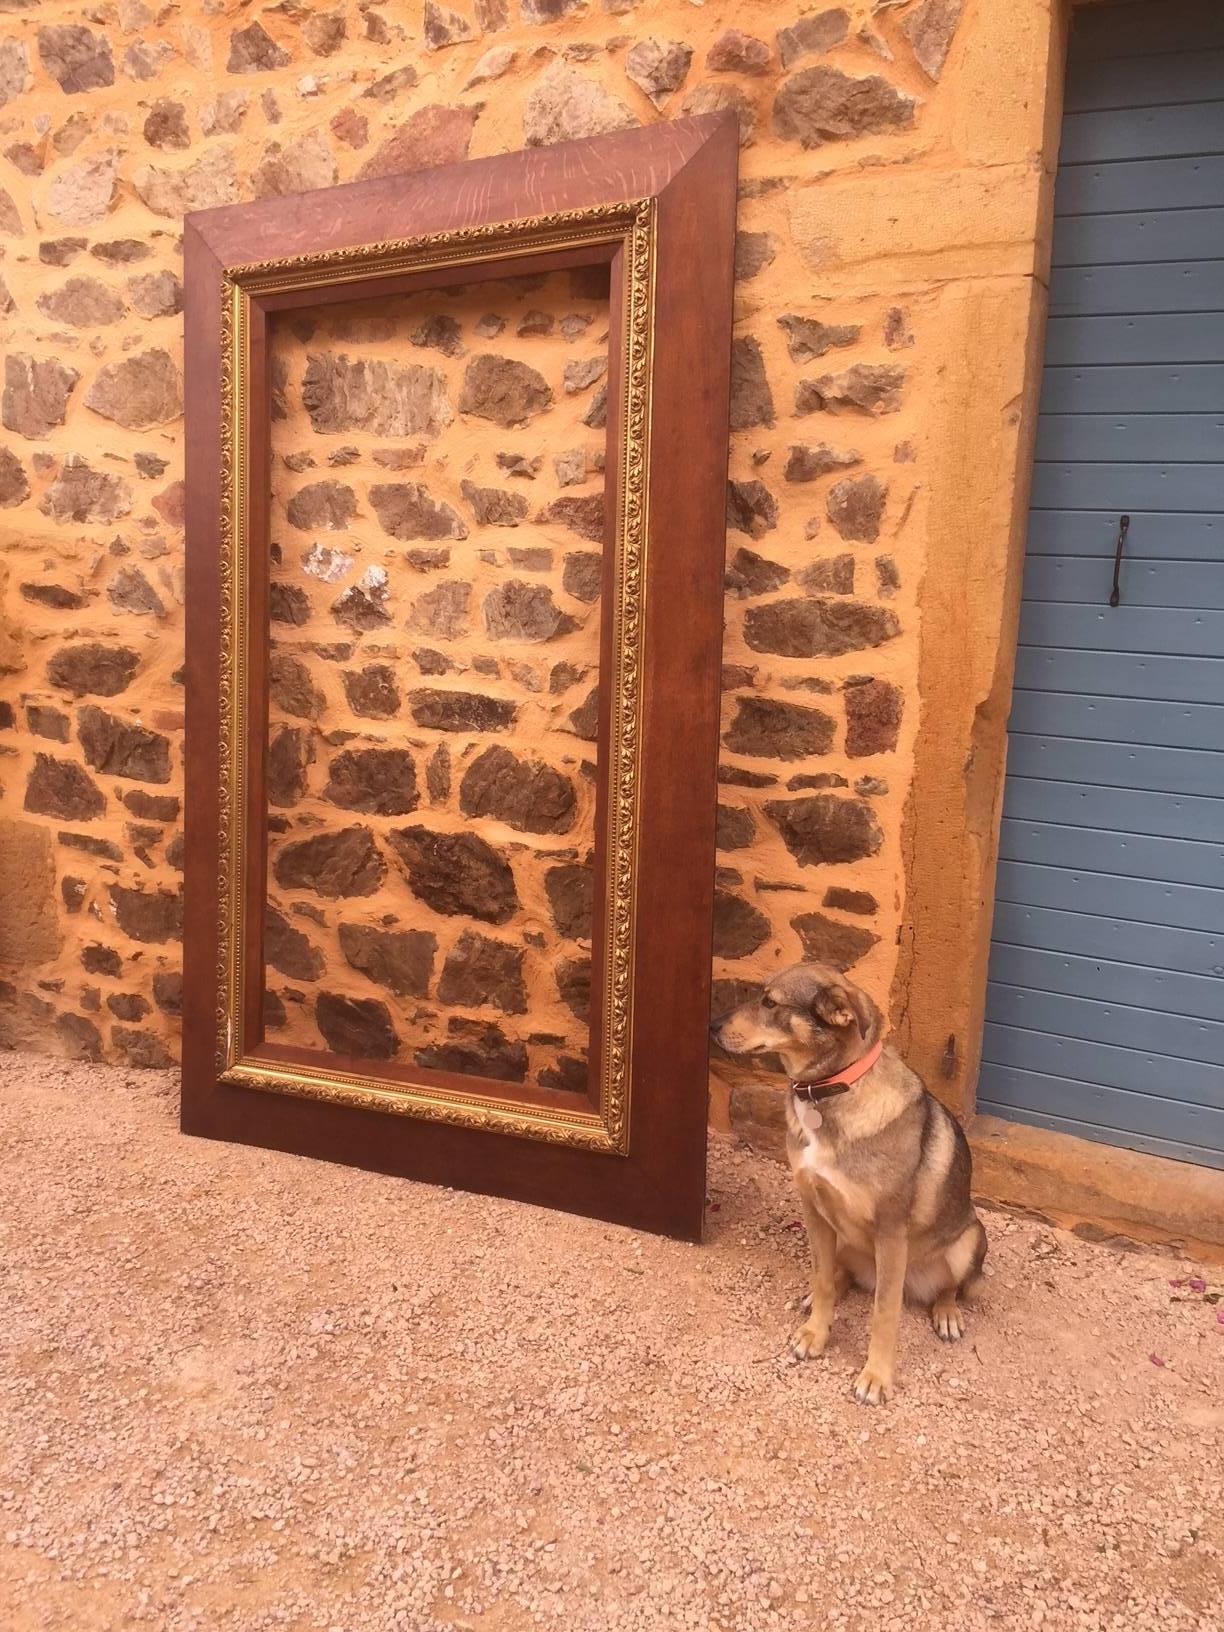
<point x="882" y="1169"/>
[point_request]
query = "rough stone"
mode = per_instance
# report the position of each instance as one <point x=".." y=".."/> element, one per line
<point x="855" y="506"/>
<point x="44" y="721"/>
<point x="333" y="864"/>
<point x="929" y="28"/>
<point x="295" y="167"/>
<point x="658" y="67"/>
<point x="15" y="76"/>
<point x="121" y="251"/>
<point x="80" y="1039"/>
<point x="131" y="591"/>
<point x="166" y="124"/>
<point x="494" y="506"/>
<point x="290" y="753"/>
<point x="442" y="611"/>
<point x="292" y="688"/>
<point x="254" y="51"/>
<point x="808" y="464"/>
<point x="288" y="603"/>
<point x="461" y="711"/>
<point x="767" y="729"/>
<point x="150" y="916"/>
<point x="376" y="781"/>
<point x="867" y="388"/>
<point x="503" y="390"/>
<point x="324" y="32"/>
<point x="138" y="392"/>
<point x="105" y="849"/>
<point x="495" y="62"/>
<point x="573" y="977"/>
<point x="81" y="494"/>
<point x="457" y="874"/>
<point x="582" y="575"/>
<point x="76" y="59"/>
<point x="14" y="483"/>
<point x="827" y="940"/>
<point x="596" y="416"/>
<point x="734" y="828"/>
<point x="101" y="960"/>
<point x="807" y="338"/>
<point x="104" y="671"/>
<point x="527" y="795"/>
<point x="751" y="399"/>
<point x="288" y="950"/>
<point x="363" y="605"/>
<point x="209" y="181"/>
<point x="810" y="35"/>
<point x="369" y="395"/>
<point x="832" y="574"/>
<point x="406" y="510"/>
<point x="168" y="991"/>
<point x="580" y="373"/>
<point x="400" y="960"/>
<point x="141" y="1049"/>
<point x="118" y="748"/>
<point x="444" y="27"/>
<point x="571" y="897"/>
<point x="36" y="392"/>
<point x="519" y="611"/>
<point x="581" y="513"/>
<point x="860" y="901"/>
<point x="52" y="251"/>
<point x="873" y="717"/>
<point x="57" y="787"/>
<point x="565" y="105"/>
<point x="723" y="99"/>
<point x="431" y="136"/>
<point x="85" y="191"/>
<point x="439" y="332"/>
<point x="322" y="506"/>
<point x="356" y="1027"/>
<point x="481" y="971"/>
<point x="751" y="508"/>
<point x="754" y="251"/>
<point x="55" y="596"/>
<point x="737" y="53"/>
<point x="152" y="807"/>
<point x="156" y="294"/>
<point x="372" y="692"/>
<point x="570" y="1074"/>
<point x="822" y="104"/>
<point x="739" y="927"/>
<point x="476" y="1048"/>
<point x="823" y="828"/>
<point x="818" y="628"/>
<point x="31" y="935"/>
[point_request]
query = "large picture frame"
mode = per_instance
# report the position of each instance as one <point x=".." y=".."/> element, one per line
<point x="658" y="207"/>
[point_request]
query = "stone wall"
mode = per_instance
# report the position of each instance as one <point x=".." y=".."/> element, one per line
<point x="890" y="168"/>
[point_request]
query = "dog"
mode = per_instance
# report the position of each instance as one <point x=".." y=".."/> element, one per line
<point x="883" y="1171"/>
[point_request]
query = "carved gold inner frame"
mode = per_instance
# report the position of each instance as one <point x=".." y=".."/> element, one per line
<point x="603" y="1123"/>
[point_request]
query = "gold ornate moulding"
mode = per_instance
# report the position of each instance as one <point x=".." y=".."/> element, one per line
<point x="656" y="208"/>
<point x="629" y="227"/>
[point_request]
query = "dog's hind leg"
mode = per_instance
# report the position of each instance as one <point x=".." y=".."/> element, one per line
<point x="964" y="1263"/>
<point x="809" y="1340"/>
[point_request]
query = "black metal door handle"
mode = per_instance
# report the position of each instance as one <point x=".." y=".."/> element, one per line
<point x="1115" y="595"/>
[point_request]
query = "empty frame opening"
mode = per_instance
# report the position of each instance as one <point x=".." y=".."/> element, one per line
<point x="435" y="605"/>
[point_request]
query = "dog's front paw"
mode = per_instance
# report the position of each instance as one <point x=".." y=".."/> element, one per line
<point x="873" y="1387"/>
<point x="947" y="1321"/>
<point x="809" y="1340"/>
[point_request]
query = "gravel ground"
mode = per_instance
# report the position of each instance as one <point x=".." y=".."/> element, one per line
<point x="246" y="1391"/>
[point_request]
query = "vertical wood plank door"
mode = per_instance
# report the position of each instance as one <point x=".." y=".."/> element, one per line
<point x="649" y="216"/>
<point x="1105" y="1008"/>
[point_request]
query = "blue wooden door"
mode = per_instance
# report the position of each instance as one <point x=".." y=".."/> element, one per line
<point x="1105" y="1007"/>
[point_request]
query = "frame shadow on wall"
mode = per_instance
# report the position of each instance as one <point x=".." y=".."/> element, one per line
<point x="652" y="213"/>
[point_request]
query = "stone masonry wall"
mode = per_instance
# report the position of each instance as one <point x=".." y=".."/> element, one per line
<point x="115" y="118"/>
<point x="437" y="522"/>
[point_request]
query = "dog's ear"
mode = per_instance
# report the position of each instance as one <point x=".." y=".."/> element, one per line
<point x="833" y="1006"/>
<point x="842" y="1006"/>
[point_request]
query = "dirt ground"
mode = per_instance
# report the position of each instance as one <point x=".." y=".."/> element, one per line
<point x="245" y="1391"/>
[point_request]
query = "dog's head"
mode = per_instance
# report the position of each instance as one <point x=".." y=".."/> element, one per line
<point x="810" y="1015"/>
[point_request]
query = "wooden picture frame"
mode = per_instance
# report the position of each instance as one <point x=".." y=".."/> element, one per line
<point x="658" y="206"/>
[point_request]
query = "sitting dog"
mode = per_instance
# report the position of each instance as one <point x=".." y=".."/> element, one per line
<point x="882" y="1169"/>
